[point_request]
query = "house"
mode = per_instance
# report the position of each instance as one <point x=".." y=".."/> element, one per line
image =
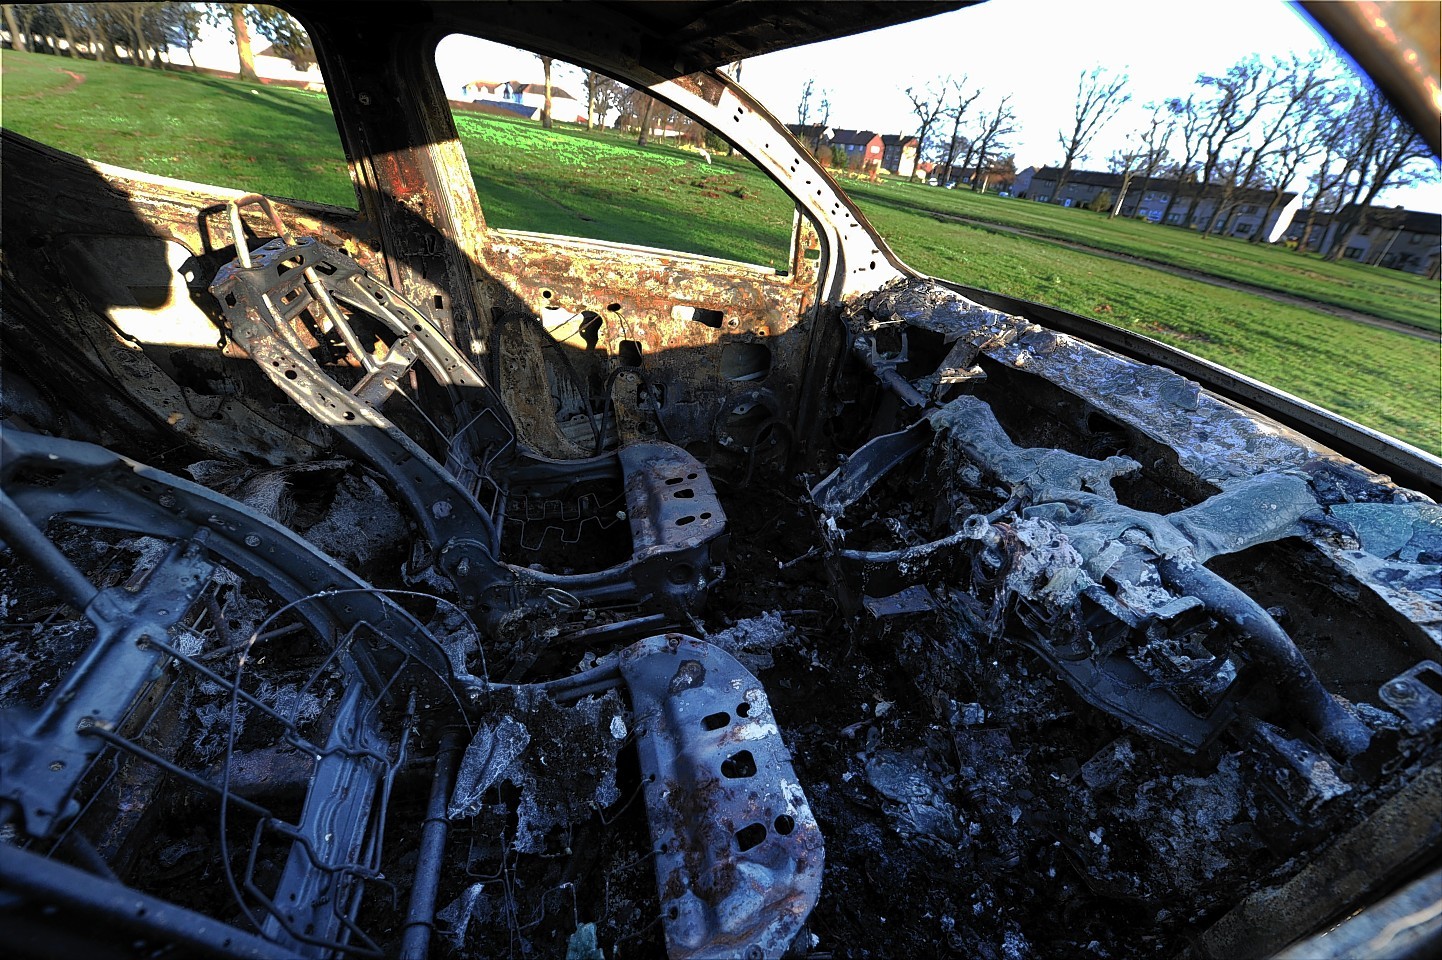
<point x="863" y="148"/>
<point x="1239" y="211"/>
<point x="898" y="154"/>
<point x="813" y="135"/>
<point x="564" y="106"/>
<point x="1022" y="186"/>
<point x="1409" y="240"/>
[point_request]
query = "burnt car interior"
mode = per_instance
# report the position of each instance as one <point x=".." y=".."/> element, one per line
<point x="381" y="583"/>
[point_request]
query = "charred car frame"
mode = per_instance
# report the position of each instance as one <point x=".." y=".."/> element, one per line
<point x="936" y="620"/>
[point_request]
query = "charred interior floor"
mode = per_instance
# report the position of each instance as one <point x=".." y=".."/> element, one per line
<point x="1033" y="651"/>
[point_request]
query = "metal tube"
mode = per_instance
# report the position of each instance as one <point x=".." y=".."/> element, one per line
<point x="421" y="912"/>
<point x="28" y="540"/>
<point x="1342" y="734"/>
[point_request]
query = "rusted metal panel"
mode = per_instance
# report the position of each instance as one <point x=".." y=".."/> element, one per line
<point x="739" y="855"/>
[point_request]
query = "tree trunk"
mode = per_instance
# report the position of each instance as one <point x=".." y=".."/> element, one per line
<point x="69" y="33"/>
<point x="1061" y="181"/>
<point x="1272" y="208"/>
<point x="645" y="122"/>
<point x="17" y="39"/>
<point x="242" y="42"/>
<point x="546" y="110"/>
<point x="1346" y="232"/>
<point x="590" y="99"/>
<point x="1307" y="230"/>
<point x="1191" y="205"/>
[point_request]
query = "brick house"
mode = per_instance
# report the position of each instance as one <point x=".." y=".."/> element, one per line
<point x="863" y="148"/>
<point x="898" y="154"/>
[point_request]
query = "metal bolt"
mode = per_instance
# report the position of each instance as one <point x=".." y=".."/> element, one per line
<point x="252" y="540"/>
<point x="364" y="99"/>
<point x="1401" y="691"/>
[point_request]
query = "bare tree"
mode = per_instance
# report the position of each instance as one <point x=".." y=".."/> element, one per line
<point x="1128" y="162"/>
<point x="1295" y="89"/>
<point x="1303" y="138"/>
<point x="1193" y="130"/>
<point x="1098" y="98"/>
<point x="956" y="113"/>
<point x="1154" y="140"/>
<point x="994" y="126"/>
<point x="1381" y="151"/>
<point x="803" y="107"/>
<point x="1242" y="93"/>
<point x="927" y="105"/>
<point x="1328" y="179"/>
<point x="646" y="105"/>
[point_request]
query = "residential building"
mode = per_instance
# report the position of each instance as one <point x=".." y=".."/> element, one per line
<point x="813" y="135"/>
<point x="1409" y="240"/>
<point x="863" y="148"/>
<point x="564" y="106"/>
<point x="1023" y="182"/>
<point x="1241" y="212"/>
<point x="898" y="154"/>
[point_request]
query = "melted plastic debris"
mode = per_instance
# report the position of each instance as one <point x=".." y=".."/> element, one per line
<point x="361" y="523"/>
<point x="918" y="807"/>
<point x="1410" y="532"/>
<point x="583" y="944"/>
<point x="456" y="917"/>
<point x="562" y="759"/>
<point x="489" y="757"/>
<point x="752" y="641"/>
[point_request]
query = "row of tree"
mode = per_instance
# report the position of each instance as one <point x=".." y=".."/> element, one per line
<point x="138" y="33"/>
<point x="954" y="124"/>
<point x="1258" y="127"/>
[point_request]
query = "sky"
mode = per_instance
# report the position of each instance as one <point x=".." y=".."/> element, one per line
<point x="1032" y="49"/>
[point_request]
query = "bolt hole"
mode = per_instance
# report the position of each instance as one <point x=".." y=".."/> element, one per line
<point x="683" y="521"/>
<point x="739" y="766"/>
<point x="290" y="374"/>
<point x="749" y="836"/>
<point x="687" y="494"/>
<point x="743" y="709"/>
<point x="784" y="825"/>
<point x="716" y="721"/>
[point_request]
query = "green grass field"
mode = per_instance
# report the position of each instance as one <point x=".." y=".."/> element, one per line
<point x="568" y="181"/>
<point x="1389" y="294"/>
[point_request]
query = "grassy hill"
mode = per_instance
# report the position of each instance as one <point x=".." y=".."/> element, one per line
<point x="599" y="184"/>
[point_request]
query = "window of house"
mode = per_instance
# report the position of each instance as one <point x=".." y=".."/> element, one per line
<point x="1414" y="238"/>
<point x="1353" y="253"/>
<point x="162" y="105"/>
<point x="615" y="164"/>
<point x="1249" y="208"/>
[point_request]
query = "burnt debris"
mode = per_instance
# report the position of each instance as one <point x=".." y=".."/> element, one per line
<point x="1032" y="650"/>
